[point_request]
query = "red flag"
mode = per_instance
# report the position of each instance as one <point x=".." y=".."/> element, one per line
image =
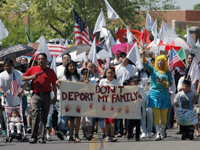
<point x="144" y="37"/>
<point x="174" y="60"/>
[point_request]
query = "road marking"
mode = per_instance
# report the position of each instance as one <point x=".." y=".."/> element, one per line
<point x="97" y="143"/>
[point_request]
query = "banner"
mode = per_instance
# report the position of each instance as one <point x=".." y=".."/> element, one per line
<point x="81" y="99"/>
<point x="187" y="117"/>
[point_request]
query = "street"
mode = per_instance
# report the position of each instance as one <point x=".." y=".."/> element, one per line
<point x="173" y="141"/>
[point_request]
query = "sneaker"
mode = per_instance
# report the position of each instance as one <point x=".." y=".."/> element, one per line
<point x="103" y="136"/>
<point x="119" y="135"/>
<point x="67" y="137"/>
<point x="84" y="137"/>
<point x="12" y="131"/>
<point x="18" y="131"/>
<point x="149" y="135"/>
<point x="49" y="138"/>
<point x="113" y="139"/>
<point x="41" y="140"/>
<point x="71" y="140"/>
<point x="143" y="135"/>
<point x="60" y="135"/>
<point x="137" y="139"/>
<point x="107" y="139"/>
<point x="89" y="137"/>
<point x="29" y="130"/>
<point x="77" y="139"/>
<point x="158" y="138"/>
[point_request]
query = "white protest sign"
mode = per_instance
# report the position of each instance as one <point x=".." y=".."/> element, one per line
<point x="81" y="99"/>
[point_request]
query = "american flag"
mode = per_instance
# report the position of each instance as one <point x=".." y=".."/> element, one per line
<point x="80" y="31"/>
<point x="14" y="85"/>
<point x="174" y="60"/>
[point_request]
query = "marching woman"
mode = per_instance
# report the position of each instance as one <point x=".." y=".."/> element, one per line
<point x="159" y="98"/>
<point x="71" y="74"/>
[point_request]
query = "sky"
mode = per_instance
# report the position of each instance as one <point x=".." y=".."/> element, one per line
<point x="186" y="4"/>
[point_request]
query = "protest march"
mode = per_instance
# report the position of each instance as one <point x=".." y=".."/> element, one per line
<point x="132" y="84"/>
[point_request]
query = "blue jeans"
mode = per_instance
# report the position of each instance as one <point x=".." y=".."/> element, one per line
<point x="62" y="120"/>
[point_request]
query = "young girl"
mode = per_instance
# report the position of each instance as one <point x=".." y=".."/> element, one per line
<point x="109" y="79"/>
<point x="15" y="120"/>
<point x="72" y="75"/>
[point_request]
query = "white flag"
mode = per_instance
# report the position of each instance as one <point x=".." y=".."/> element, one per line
<point x="194" y="71"/>
<point x="111" y="12"/>
<point x="104" y="33"/>
<point x="53" y="64"/>
<point x="61" y="42"/>
<point x="130" y="37"/>
<point x="154" y="31"/>
<point x="118" y="42"/>
<point x="101" y="22"/>
<point x="43" y="48"/>
<point x="93" y="53"/>
<point x="110" y="41"/>
<point x="40" y="39"/>
<point x="134" y="56"/>
<point x="167" y="34"/>
<point x="149" y="22"/>
<point x="66" y="43"/>
<point x="3" y="31"/>
<point x="197" y="44"/>
<point x="190" y="40"/>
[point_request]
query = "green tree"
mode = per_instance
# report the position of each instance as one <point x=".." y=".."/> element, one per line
<point x="54" y="18"/>
<point x="197" y="6"/>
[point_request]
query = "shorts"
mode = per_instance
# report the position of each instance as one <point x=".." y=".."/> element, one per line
<point x="108" y="121"/>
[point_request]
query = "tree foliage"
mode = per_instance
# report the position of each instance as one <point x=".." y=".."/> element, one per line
<point x="54" y="18"/>
<point x="197" y="6"/>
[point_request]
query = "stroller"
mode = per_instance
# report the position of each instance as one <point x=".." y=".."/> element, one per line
<point x="10" y="136"/>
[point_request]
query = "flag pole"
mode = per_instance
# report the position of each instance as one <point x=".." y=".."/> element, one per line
<point x="130" y="31"/>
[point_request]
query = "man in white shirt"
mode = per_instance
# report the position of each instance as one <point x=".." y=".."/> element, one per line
<point x="62" y="121"/>
<point x="124" y="71"/>
<point x="11" y="84"/>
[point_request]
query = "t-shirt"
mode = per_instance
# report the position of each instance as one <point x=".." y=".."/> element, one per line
<point x="124" y="72"/>
<point x="14" y="119"/>
<point x="105" y="82"/>
<point x="74" y="79"/>
<point x="44" y="79"/>
<point x="185" y="99"/>
<point x="60" y="73"/>
<point x="5" y="83"/>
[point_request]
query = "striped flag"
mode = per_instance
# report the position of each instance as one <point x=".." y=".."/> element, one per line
<point x="80" y="31"/>
<point x="174" y="60"/>
<point x="14" y="85"/>
<point x="56" y="49"/>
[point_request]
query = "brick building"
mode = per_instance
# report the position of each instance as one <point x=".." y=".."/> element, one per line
<point x="181" y="18"/>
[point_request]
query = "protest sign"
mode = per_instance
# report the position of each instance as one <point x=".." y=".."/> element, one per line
<point x="187" y="117"/>
<point x="81" y="99"/>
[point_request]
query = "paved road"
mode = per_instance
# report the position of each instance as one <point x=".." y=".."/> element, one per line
<point x="172" y="141"/>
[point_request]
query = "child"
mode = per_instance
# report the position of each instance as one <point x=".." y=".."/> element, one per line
<point x="15" y="120"/>
<point x="186" y="98"/>
<point x="86" y="121"/>
<point x="134" y="81"/>
<point x="109" y="79"/>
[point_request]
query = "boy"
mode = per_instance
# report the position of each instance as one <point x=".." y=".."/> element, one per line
<point x="186" y="98"/>
<point x="134" y="81"/>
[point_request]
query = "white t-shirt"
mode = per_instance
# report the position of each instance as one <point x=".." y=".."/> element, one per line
<point x="60" y="73"/>
<point x="104" y="82"/>
<point x="5" y="83"/>
<point x="115" y="62"/>
<point x="125" y="72"/>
